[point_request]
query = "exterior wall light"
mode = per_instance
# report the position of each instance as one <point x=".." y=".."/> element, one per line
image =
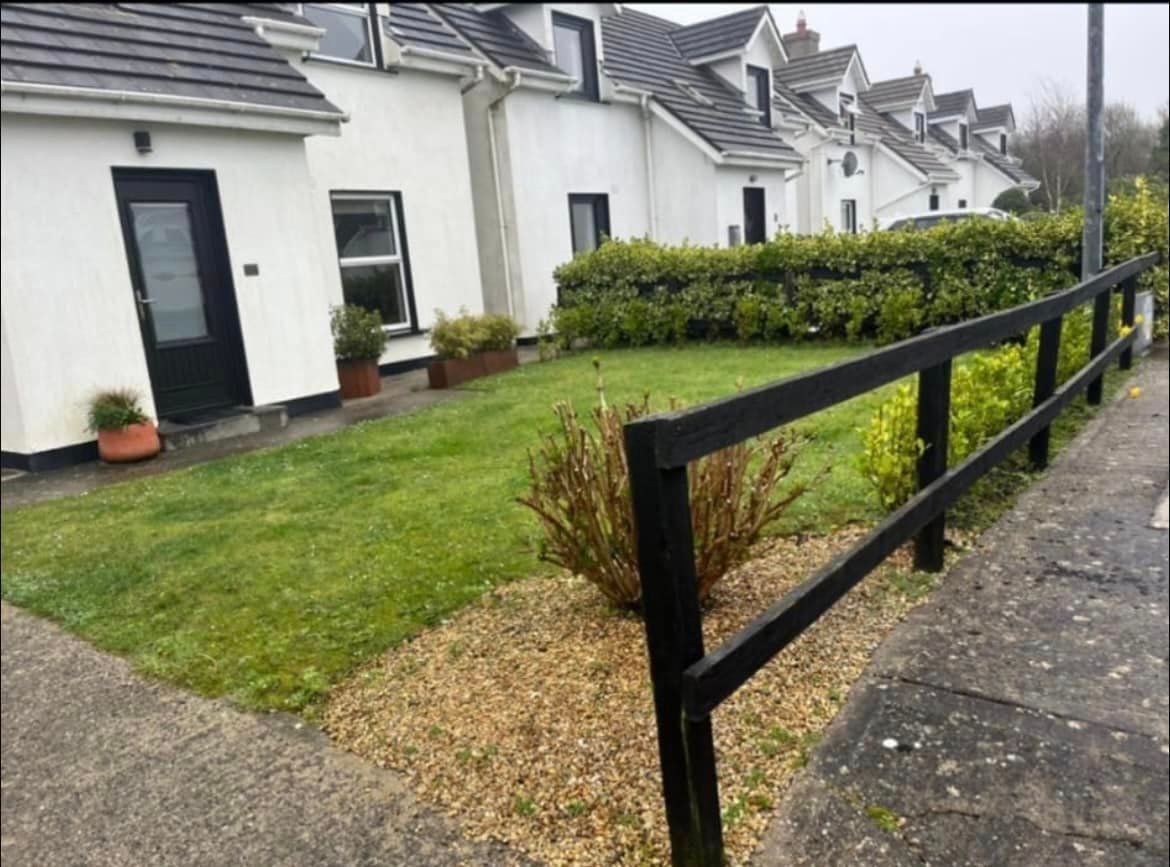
<point x="142" y="141"/>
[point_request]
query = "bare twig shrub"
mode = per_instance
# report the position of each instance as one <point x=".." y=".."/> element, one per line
<point x="581" y="494"/>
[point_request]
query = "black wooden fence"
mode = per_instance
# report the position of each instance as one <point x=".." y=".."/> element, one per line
<point x="690" y="683"/>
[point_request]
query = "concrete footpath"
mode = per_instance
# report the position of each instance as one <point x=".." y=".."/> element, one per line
<point x="104" y="767"/>
<point x="1020" y="717"/>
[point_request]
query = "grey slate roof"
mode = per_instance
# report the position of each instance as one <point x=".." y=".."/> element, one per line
<point x="412" y="24"/>
<point x="900" y="140"/>
<point x="943" y="138"/>
<point x="192" y="50"/>
<point x="996" y="115"/>
<point x="896" y="92"/>
<point x="993" y="156"/>
<point x="832" y="63"/>
<point x="639" y="52"/>
<point x="952" y="103"/>
<point x="717" y="35"/>
<point x="501" y="41"/>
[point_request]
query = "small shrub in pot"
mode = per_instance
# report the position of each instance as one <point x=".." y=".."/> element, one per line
<point x="358" y="342"/>
<point x="124" y="431"/>
<point x="470" y="346"/>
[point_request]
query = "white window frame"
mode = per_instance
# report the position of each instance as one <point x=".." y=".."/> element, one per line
<point x="964" y="133"/>
<point x="395" y="259"/>
<point x="920" y="127"/>
<point x="355" y="9"/>
<point x="849" y="216"/>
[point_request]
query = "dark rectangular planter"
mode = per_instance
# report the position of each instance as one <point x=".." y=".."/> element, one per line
<point x="450" y="372"/>
<point x="358" y="378"/>
<point x="499" y="360"/>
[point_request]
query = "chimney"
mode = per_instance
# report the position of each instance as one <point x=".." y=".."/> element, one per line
<point x="804" y="42"/>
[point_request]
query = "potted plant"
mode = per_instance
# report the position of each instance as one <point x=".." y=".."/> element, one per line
<point x="471" y="346"/>
<point x="123" y="430"/>
<point x="358" y="343"/>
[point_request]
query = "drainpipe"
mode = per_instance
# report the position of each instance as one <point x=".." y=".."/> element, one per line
<point x="647" y="126"/>
<point x="474" y="81"/>
<point x="501" y="219"/>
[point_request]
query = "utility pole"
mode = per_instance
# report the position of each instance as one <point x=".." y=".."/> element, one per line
<point x="1094" y="144"/>
<point x="1091" y="242"/>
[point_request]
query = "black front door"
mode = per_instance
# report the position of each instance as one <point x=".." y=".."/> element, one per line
<point x="183" y="291"/>
<point x="755" y="226"/>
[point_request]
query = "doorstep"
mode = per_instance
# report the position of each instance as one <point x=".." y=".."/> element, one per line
<point x="184" y="431"/>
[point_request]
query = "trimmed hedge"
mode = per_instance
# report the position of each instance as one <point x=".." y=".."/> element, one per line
<point x="880" y="285"/>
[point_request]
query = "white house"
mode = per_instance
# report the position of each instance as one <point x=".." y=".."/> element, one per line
<point x="958" y="132"/>
<point x="595" y="120"/>
<point x="182" y="204"/>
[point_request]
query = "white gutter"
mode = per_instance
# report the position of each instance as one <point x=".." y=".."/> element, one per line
<point x="493" y="149"/>
<point x="540" y="74"/>
<point x="436" y="54"/>
<point x="171" y="100"/>
<point x="474" y="82"/>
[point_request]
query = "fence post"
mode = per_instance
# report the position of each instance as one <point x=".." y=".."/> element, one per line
<point x="674" y="639"/>
<point x="1128" y="308"/>
<point x="934" y="416"/>
<point x="1097" y="341"/>
<point x="1047" y="357"/>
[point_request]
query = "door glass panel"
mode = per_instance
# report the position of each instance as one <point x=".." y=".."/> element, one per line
<point x="363" y="228"/>
<point x="376" y="287"/>
<point x="170" y="270"/>
<point x="584" y="227"/>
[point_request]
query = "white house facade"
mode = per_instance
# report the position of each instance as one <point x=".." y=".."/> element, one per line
<point x="182" y="204"/>
<point x="593" y="121"/>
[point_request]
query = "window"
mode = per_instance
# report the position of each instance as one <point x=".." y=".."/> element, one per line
<point x="759" y="93"/>
<point x="348" y="35"/>
<point x="919" y="127"/>
<point x="575" y="54"/>
<point x="1003" y="143"/>
<point x="845" y="107"/>
<point x="933" y="201"/>
<point x="962" y="203"/>
<point x="963" y="136"/>
<point x="852" y="129"/>
<point x="849" y="216"/>
<point x="588" y="220"/>
<point x="371" y="254"/>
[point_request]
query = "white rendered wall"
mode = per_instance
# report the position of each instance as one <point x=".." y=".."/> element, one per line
<point x="557" y="147"/>
<point x="729" y="185"/>
<point x="69" y="317"/>
<point x="684" y="189"/>
<point x="406" y="135"/>
<point x="897" y="190"/>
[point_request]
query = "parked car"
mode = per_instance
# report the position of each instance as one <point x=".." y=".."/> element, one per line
<point x="932" y="218"/>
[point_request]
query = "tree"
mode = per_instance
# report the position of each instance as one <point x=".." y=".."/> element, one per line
<point x="1051" y="143"/>
<point x="1129" y="141"/>
<point x="1014" y="201"/>
<point x="1160" y="153"/>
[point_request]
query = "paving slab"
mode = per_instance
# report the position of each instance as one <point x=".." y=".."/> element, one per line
<point x="103" y="767"/>
<point x="1021" y="716"/>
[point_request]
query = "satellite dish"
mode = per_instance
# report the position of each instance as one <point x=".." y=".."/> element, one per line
<point x="849" y="164"/>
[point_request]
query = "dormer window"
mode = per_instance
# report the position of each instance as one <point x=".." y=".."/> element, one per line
<point x="575" y="53"/>
<point x="963" y="142"/>
<point x="845" y="107"/>
<point x="759" y="93"/>
<point x="919" y="127"/>
<point x="1003" y="143"/>
<point x="349" y="34"/>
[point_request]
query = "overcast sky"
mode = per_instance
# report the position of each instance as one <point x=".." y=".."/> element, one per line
<point x="1002" y="51"/>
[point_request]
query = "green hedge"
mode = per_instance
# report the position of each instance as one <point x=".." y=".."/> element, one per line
<point x="879" y="285"/>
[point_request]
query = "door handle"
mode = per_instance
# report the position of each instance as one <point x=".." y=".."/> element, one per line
<point x="143" y="301"/>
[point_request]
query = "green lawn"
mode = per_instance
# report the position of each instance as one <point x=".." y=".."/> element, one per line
<point x="269" y="576"/>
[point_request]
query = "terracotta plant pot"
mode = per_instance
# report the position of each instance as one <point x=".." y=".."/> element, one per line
<point x="450" y="372"/>
<point x="135" y="442"/>
<point x="499" y="360"/>
<point x="358" y="378"/>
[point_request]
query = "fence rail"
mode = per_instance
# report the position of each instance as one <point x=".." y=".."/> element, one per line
<point x="690" y="683"/>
